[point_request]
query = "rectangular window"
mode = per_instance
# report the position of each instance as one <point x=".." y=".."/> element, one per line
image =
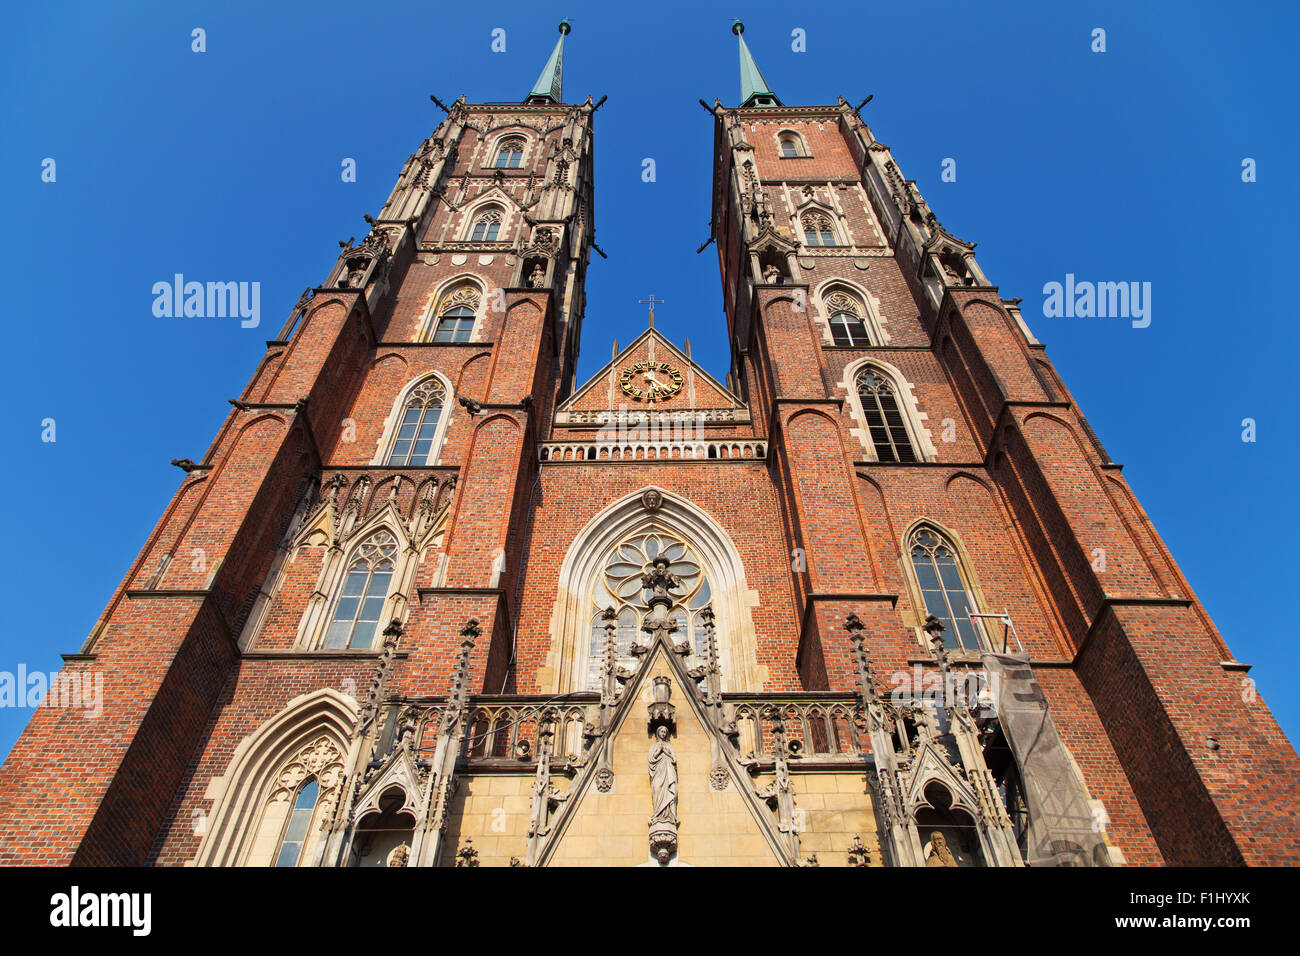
<point x="454" y="329"/>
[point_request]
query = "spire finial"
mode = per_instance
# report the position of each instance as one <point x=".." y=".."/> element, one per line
<point x="652" y="302"/>
<point x="754" y="90"/>
<point x="549" y="87"/>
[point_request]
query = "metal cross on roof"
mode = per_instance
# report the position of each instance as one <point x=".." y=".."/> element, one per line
<point x="652" y="301"/>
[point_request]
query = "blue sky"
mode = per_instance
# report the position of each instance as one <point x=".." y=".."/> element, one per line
<point x="1123" y="165"/>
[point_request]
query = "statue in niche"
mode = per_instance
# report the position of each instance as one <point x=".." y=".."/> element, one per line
<point x="537" y="276"/>
<point x="772" y="275"/>
<point x="663" y="796"/>
<point x="355" y="273"/>
<point x="406" y="738"/>
<point x="940" y="855"/>
<point x="400" y="856"/>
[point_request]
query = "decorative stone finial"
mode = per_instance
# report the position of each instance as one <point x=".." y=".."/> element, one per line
<point x="662" y="712"/>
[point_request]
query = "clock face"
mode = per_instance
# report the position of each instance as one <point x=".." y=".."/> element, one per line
<point x="651" y="381"/>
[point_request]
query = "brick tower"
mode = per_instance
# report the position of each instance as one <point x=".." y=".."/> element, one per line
<point x="878" y="596"/>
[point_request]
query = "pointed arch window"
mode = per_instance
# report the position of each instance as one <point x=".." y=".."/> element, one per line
<point x="418" y="431"/>
<point x="296" y="826"/>
<point x="817" y="230"/>
<point x="510" y="153"/>
<point x="791" y="146"/>
<point x="943" y="588"/>
<point x="293" y="761"/>
<point x="365" y="588"/>
<point x="456" y="313"/>
<point x="885" y="423"/>
<point x="847" y="325"/>
<point x="487" y="226"/>
<point x="619" y="586"/>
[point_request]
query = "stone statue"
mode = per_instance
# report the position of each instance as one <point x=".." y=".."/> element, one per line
<point x="771" y="275"/>
<point x="660" y="581"/>
<point x="356" y="271"/>
<point x="536" y="277"/>
<point x="406" y="738"/>
<point x="663" y="778"/>
<point x="663" y="796"/>
<point x="940" y="855"/>
<point x="400" y="856"/>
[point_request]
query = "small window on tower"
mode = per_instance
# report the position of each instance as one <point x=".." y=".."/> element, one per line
<point x="818" y="231"/>
<point x="943" y="588"/>
<point x="419" y="427"/>
<point x="455" y="325"/>
<point x="889" y="433"/>
<point x="487" y="226"/>
<point x="510" y="154"/>
<point x="792" y="145"/>
<point x="848" y="328"/>
<point x="365" y="589"/>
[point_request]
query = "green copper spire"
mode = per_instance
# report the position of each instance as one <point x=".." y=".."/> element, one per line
<point x="550" y="85"/>
<point x="753" y="88"/>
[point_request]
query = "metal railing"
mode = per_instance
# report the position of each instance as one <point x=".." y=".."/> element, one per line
<point x="990" y="642"/>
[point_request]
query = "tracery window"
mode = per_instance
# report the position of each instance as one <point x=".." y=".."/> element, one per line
<point x="619" y="586"/>
<point x="456" y="313"/>
<point x="356" y="617"/>
<point x="942" y="588"/>
<point x="286" y="776"/>
<point x="847" y="325"/>
<point x="487" y="226"/>
<point x="884" y="419"/>
<point x="817" y="230"/>
<point x="414" y="444"/>
<point x="510" y="153"/>
<point x="790" y="146"/>
<point x="295" y="827"/>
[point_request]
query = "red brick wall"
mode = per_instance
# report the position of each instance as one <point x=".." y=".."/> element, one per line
<point x="1149" y="689"/>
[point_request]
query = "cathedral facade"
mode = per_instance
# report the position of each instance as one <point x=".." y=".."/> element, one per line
<point x="876" y="596"/>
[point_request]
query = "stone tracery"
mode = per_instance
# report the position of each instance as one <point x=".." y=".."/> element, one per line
<point x="622" y="587"/>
